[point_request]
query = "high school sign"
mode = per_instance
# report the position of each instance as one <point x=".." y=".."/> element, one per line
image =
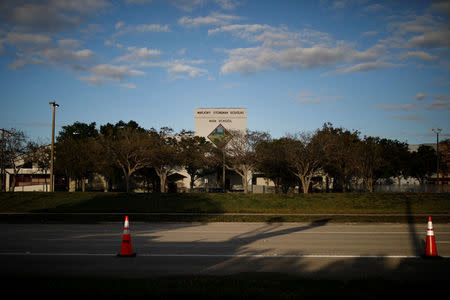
<point x="215" y="123"/>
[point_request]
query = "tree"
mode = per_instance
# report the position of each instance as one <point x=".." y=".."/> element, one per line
<point x="127" y="146"/>
<point x="193" y="154"/>
<point x="423" y="163"/>
<point x="396" y="157"/>
<point x="164" y="155"/>
<point x="39" y="154"/>
<point x="371" y="161"/>
<point x="74" y="151"/>
<point x="272" y="162"/>
<point x="15" y="151"/>
<point x="241" y="153"/>
<point x="340" y="154"/>
<point x="444" y="158"/>
<point x="304" y="154"/>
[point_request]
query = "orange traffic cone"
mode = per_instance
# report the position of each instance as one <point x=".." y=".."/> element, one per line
<point x="126" y="250"/>
<point x="430" y="247"/>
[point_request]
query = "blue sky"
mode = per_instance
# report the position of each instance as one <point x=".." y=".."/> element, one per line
<point x="380" y="67"/>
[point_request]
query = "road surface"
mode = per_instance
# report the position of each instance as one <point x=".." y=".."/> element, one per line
<point x="313" y="250"/>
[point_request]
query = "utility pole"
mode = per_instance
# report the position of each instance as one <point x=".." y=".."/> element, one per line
<point x="437" y="130"/>
<point x="52" y="179"/>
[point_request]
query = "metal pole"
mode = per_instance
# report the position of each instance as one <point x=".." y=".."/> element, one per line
<point x="437" y="157"/>
<point x="52" y="181"/>
<point x="52" y="151"/>
<point x="437" y="130"/>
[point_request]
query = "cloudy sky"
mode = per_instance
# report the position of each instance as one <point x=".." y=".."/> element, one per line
<point x="380" y="67"/>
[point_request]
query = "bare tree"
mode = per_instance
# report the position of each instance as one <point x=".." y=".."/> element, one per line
<point x="15" y="151"/>
<point x="241" y="153"/>
<point x="39" y="154"/>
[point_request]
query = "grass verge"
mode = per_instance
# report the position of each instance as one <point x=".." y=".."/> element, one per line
<point x="332" y="207"/>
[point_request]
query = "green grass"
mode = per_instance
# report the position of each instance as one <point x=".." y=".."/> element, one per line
<point x="275" y="204"/>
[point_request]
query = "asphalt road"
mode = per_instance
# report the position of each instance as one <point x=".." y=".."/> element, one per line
<point x="317" y="250"/>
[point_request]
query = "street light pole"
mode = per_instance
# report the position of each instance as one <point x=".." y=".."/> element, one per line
<point x="2" y="166"/>
<point x="437" y="130"/>
<point x="52" y="179"/>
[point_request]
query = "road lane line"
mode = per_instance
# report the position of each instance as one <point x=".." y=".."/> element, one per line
<point x="216" y="255"/>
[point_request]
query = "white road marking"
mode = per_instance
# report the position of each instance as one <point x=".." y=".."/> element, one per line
<point x="214" y="255"/>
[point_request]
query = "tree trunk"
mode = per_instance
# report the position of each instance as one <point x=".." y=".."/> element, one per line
<point x="83" y="184"/>
<point x="305" y="184"/>
<point x="127" y="182"/>
<point x="13" y="183"/>
<point x="369" y="184"/>
<point x="163" y="178"/>
<point x="244" y="184"/>
<point x="192" y="181"/>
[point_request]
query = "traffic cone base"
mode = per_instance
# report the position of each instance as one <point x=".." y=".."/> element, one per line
<point x="127" y="249"/>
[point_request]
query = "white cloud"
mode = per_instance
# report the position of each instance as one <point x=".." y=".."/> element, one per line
<point x="188" y="5"/>
<point x="409" y="118"/>
<point x="281" y="49"/>
<point x="212" y="19"/>
<point x="61" y="55"/>
<point x="419" y="55"/>
<point x="139" y="54"/>
<point x="420" y="96"/>
<point x="442" y="104"/>
<point x="439" y="105"/>
<point x="128" y="85"/>
<point x="431" y="40"/>
<point x="179" y="70"/>
<point x="399" y="107"/>
<point x="141" y="28"/>
<point x="114" y="72"/>
<point x="367" y="66"/>
<point x="152" y="28"/>
<point x="306" y="96"/>
<point x="93" y="80"/>
<point x="139" y="1"/>
<point x="228" y="4"/>
<point x="119" y="24"/>
<point x="40" y="49"/>
<point x="16" y="38"/>
<point x="50" y="15"/>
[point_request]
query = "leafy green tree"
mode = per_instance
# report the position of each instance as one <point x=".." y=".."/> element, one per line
<point x="371" y="161"/>
<point x="127" y="146"/>
<point x="304" y="153"/>
<point x="340" y="154"/>
<point x="396" y="157"/>
<point x="194" y="152"/>
<point x="74" y="151"/>
<point x="423" y="163"/>
<point x="164" y="155"/>
<point x="272" y="162"/>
